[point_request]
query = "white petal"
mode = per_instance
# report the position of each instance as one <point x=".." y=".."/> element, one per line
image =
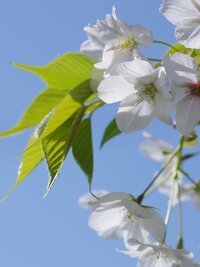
<point x="142" y="35"/>
<point x="114" y="89"/>
<point x="136" y="69"/>
<point x="162" y="83"/>
<point x="155" y="226"/>
<point x="136" y="209"/>
<point x="178" y="92"/>
<point x="133" y="115"/>
<point x="88" y="201"/>
<point x="118" y="58"/>
<point x="179" y="11"/>
<point x="181" y="68"/>
<point x="111" y="233"/>
<point x="187" y="114"/>
<point x="107" y="58"/>
<point x="103" y="221"/>
<point x="113" y="197"/>
<point x="134" y="230"/>
<point x="163" y="109"/>
<point x="189" y="35"/>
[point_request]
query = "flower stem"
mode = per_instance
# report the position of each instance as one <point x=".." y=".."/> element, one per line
<point x="175" y="183"/>
<point x="141" y="196"/>
<point x="180" y="243"/>
<point x="155" y="59"/>
<point x="166" y="44"/>
<point x="189" y="178"/>
<point x="191" y="155"/>
<point x="171" y="201"/>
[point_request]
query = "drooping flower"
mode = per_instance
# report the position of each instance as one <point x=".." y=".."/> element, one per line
<point x="114" y="42"/>
<point x="88" y="201"/>
<point x="118" y="215"/>
<point x="185" y="14"/>
<point x="157" y="255"/>
<point x="143" y="92"/>
<point x="183" y="71"/>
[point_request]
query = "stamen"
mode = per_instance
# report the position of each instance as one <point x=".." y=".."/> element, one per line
<point x="127" y="43"/>
<point x="124" y="44"/>
<point x="147" y="92"/>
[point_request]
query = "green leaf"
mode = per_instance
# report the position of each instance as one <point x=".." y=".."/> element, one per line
<point x="62" y="113"/>
<point x="39" y="108"/>
<point x="32" y="156"/>
<point x="111" y="131"/>
<point x="182" y="49"/>
<point x="178" y="48"/>
<point x="65" y="72"/>
<point x="45" y="102"/>
<point x="58" y="143"/>
<point x="82" y="92"/>
<point x="82" y="148"/>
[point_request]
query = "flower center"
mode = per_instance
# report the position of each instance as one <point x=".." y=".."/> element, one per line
<point x="147" y="92"/>
<point x="194" y="89"/>
<point x="127" y="216"/>
<point x="124" y="44"/>
<point x="127" y="43"/>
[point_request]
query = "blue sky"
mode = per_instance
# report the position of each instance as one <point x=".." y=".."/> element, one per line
<point x="54" y="232"/>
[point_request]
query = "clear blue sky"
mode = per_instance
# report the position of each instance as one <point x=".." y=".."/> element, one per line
<point x="54" y="232"/>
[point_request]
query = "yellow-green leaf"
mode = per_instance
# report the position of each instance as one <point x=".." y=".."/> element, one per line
<point x="32" y="156"/>
<point x="65" y="72"/>
<point x="58" y="143"/>
<point x="39" y="108"/>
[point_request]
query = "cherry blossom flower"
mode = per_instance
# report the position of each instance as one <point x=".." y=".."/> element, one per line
<point x="158" y="254"/>
<point x="143" y="92"/>
<point x="113" y="41"/>
<point x="118" y="215"/>
<point x="88" y="201"/>
<point x="183" y="71"/>
<point x="185" y="14"/>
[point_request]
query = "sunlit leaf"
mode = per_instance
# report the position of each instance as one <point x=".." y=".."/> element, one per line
<point x="32" y="156"/>
<point x="39" y="108"/>
<point x="58" y="143"/>
<point x="83" y="149"/>
<point x="65" y="72"/>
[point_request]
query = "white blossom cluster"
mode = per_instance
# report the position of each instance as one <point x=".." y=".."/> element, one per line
<point x="123" y="74"/>
<point x="118" y="215"/>
<point x="145" y="92"/>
